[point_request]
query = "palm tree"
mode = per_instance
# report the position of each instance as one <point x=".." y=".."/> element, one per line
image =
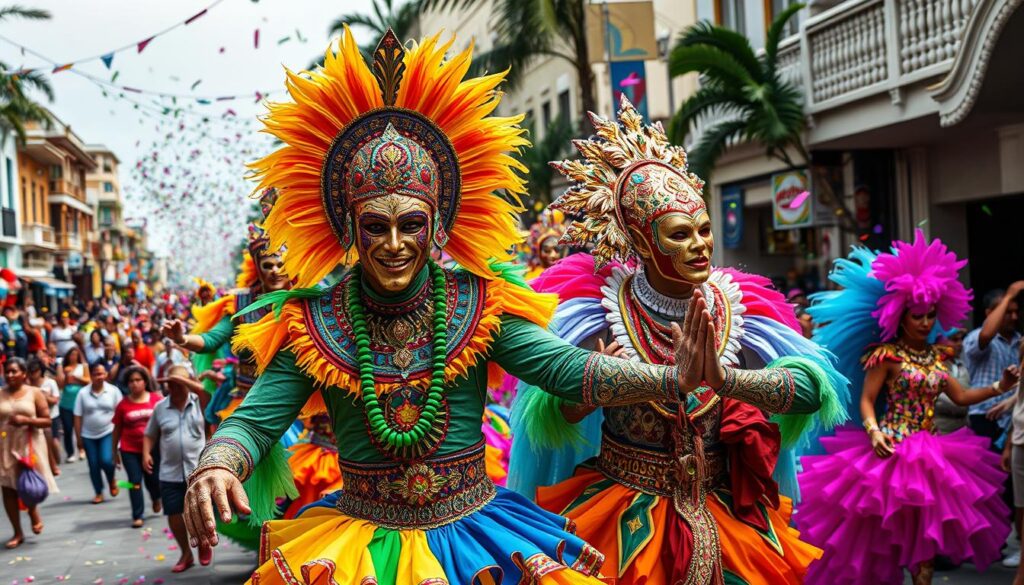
<point x="402" y="20"/>
<point x="747" y="99"/>
<point x="758" y="105"/>
<point x="528" y="29"/>
<point x="537" y="158"/>
<point x="16" y="108"/>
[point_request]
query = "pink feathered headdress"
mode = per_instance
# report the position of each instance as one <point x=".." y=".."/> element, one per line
<point x="917" y="277"/>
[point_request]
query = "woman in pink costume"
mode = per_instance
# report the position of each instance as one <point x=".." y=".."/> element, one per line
<point x="898" y="495"/>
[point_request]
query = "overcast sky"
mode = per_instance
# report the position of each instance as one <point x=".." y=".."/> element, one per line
<point x="171" y="63"/>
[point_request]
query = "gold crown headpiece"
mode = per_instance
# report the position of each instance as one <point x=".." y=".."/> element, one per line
<point x="629" y="175"/>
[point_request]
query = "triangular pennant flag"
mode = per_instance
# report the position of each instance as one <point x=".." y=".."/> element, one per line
<point x="256" y="39"/>
<point x="142" y="44"/>
<point x="64" y="67"/>
<point x="107" y="59"/>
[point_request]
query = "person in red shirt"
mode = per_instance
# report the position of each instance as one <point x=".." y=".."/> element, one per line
<point x="143" y="353"/>
<point x="130" y="419"/>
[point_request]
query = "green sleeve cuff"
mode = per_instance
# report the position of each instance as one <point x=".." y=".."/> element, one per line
<point x="815" y="400"/>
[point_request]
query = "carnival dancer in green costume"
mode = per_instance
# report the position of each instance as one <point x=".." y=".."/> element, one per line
<point x="386" y="164"/>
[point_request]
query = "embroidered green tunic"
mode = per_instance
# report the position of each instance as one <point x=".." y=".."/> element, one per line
<point x="479" y="332"/>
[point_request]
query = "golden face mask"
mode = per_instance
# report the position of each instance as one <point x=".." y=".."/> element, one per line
<point x="394" y="233"/>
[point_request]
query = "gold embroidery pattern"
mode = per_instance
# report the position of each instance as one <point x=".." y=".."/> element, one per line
<point x="611" y="381"/>
<point x="652" y="472"/>
<point x="226" y="454"/>
<point x="770" y="389"/>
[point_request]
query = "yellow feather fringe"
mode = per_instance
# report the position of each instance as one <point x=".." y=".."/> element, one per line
<point x="248" y="276"/>
<point x="268" y="336"/>
<point x="209" y="315"/>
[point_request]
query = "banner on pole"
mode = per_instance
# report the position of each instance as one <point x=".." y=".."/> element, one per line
<point x="629" y="78"/>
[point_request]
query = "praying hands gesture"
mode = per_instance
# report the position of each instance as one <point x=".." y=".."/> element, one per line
<point x="695" y="351"/>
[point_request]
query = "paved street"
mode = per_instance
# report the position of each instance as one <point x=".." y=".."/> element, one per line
<point x="84" y="544"/>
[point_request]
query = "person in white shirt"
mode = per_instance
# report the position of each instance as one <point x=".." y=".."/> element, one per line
<point x="37" y="377"/>
<point x="94" y="425"/>
<point x="63" y="334"/>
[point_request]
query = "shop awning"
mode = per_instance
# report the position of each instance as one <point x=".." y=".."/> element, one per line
<point x="52" y="286"/>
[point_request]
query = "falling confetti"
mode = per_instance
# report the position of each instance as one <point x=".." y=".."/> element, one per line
<point x="987" y="210"/>
<point x="799" y="200"/>
<point x="878" y="228"/>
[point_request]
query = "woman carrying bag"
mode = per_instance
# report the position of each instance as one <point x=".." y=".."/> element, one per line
<point x="24" y="467"/>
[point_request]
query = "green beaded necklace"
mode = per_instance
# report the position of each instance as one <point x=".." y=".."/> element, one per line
<point x="374" y="413"/>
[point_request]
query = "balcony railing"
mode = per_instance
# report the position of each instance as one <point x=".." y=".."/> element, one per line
<point x="63" y="186"/>
<point x="38" y="235"/>
<point x="69" y="241"/>
<point x="865" y="47"/>
<point x="10" y="223"/>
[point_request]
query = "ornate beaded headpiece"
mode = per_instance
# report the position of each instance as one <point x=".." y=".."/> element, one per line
<point x="412" y="125"/>
<point x="629" y="175"/>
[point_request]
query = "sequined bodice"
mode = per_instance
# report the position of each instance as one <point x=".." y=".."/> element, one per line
<point x="911" y="395"/>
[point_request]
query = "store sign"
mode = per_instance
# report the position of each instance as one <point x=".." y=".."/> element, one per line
<point x="792" y="203"/>
<point x="732" y="217"/>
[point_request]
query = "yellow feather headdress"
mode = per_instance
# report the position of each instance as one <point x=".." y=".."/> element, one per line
<point x="428" y="99"/>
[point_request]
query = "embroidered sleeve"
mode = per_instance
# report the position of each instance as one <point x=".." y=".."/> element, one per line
<point x="541" y="359"/>
<point x="224" y="453"/>
<point x="609" y="381"/>
<point x="770" y="389"/>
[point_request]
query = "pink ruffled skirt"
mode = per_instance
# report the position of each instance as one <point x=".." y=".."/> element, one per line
<point x="873" y="517"/>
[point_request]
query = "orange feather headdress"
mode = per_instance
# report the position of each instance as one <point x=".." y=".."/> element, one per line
<point x="420" y="101"/>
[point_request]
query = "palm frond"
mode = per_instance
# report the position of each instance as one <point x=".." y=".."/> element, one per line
<point x="355" y="19"/>
<point x="700" y="102"/>
<point x="701" y="158"/>
<point x="710" y="61"/>
<point x="556" y="141"/>
<point x="38" y="82"/>
<point x="704" y="33"/>
<point x="774" y="36"/>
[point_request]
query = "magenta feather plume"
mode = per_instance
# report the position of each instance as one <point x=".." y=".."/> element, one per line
<point x="917" y="277"/>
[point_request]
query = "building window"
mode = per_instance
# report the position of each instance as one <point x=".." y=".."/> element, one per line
<point x="776" y="7"/>
<point x="108" y="187"/>
<point x="731" y="14"/>
<point x="106" y="216"/>
<point x="565" y="104"/>
<point x="108" y="167"/>
<point x="545" y="112"/>
<point x="35" y="202"/>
